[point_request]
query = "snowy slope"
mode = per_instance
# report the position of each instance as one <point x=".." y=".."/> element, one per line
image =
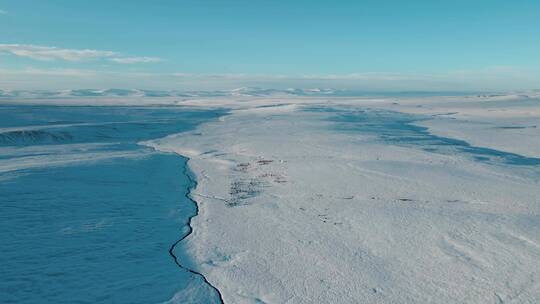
<point x="299" y="207"/>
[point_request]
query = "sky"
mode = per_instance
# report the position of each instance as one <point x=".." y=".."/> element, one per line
<point x="430" y="45"/>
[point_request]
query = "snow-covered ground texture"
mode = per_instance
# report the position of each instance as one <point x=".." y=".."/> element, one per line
<point x="311" y="199"/>
<point x="506" y="122"/>
<point x="349" y="200"/>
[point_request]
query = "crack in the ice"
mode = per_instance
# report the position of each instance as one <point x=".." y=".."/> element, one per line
<point x="192" y="185"/>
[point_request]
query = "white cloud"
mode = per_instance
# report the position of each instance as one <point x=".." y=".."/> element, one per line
<point x="48" y="53"/>
<point x="2" y="12"/>
<point x="128" y="60"/>
<point x="52" y="53"/>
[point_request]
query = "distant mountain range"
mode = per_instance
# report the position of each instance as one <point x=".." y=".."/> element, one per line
<point x="245" y="91"/>
<point x="158" y="93"/>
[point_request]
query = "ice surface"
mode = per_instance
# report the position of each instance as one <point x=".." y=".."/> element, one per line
<point x="89" y="216"/>
<point x="508" y="122"/>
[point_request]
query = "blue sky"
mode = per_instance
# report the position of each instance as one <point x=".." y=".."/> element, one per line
<point x="363" y="45"/>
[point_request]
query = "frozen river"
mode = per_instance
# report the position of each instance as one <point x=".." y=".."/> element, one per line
<point x="89" y="216"/>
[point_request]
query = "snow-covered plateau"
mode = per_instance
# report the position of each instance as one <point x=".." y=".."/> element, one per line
<point x="322" y="199"/>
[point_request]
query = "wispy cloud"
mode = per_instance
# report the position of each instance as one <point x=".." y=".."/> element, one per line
<point x="135" y="59"/>
<point x="52" y="53"/>
<point x="2" y="12"/>
<point x="48" y="53"/>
